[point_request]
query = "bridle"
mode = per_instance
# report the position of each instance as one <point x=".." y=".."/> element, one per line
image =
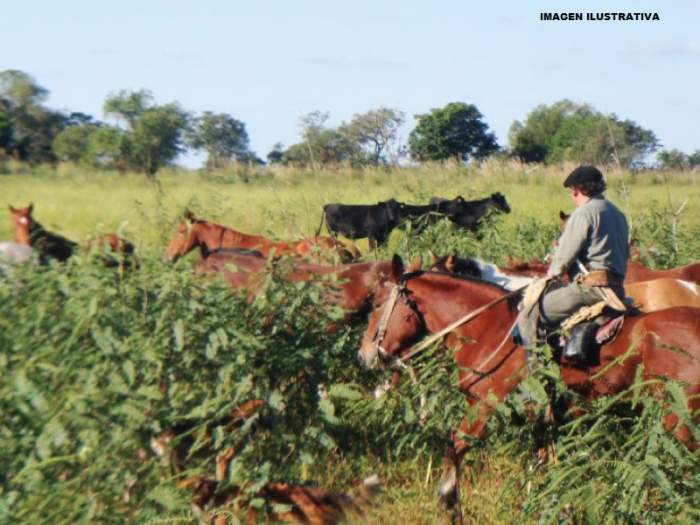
<point x="399" y="290"/>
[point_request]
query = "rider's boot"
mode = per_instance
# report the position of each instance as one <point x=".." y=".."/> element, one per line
<point x="581" y="342"/>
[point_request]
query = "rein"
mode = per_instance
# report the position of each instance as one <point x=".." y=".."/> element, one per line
<point x="462" y="320"/>
<point x="391" y="303"/>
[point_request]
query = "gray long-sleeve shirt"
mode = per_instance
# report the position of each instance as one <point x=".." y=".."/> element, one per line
<point x="597" y="235"/>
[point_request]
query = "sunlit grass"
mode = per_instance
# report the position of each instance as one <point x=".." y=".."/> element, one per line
<point x="286" y="203"/>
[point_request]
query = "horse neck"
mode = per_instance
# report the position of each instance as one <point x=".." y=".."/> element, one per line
<point x="482" y="204"/>
<point x="443" y="299"/>
<point x="500" y="277"/>
<point x="209" y="236"/>
<point x="482" y="344"/>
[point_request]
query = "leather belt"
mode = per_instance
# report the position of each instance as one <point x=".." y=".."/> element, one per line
<point x="599" y="278"/>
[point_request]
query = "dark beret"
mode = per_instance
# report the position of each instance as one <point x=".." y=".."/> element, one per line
<point x="583" y="174"/>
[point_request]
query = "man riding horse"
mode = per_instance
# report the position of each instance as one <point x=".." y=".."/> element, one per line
<point x="593" y="250"/>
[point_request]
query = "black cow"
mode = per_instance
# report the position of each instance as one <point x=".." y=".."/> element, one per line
<point x="467" y="214"/>
<point x="357" y="221"/>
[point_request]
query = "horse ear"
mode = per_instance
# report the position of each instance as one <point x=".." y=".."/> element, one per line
<point x="416" y="265"/>
<point x="12" y="209"/>
<point x="396" y="268"/>
<point x="563" y="217"/>
<point x="189" y="215"/>
<point x="30" y="208"/>
<point x="450" y="263"/>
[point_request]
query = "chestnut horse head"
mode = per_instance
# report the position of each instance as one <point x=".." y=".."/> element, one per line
<point x="21" y="223"/>
<point x="186" y="238"/>
<point x="395" y="323"/>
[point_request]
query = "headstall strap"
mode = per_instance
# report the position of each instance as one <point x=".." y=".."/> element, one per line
<point x="386" y="315"/>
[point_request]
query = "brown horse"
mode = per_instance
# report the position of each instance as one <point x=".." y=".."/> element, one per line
<point x="648" y="296"/>
<point x="491" y="365"/>
<point x="350" y="285"/>
<point x="195" y="233"/>
<point x="51" y="245"/>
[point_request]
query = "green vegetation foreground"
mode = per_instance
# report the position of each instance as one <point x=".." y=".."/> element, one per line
<point x="96" y="366"/>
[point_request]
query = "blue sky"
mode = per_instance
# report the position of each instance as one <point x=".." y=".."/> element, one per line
<point x="269" y="62"/>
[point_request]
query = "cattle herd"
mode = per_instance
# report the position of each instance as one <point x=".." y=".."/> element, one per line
<point x="246" y="260"/>
<point x="375" y="221"/>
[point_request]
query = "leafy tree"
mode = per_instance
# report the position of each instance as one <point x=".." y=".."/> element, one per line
<point x="672" y="159"/>
<point x="694" y="159"/>
<point x="296" y="155"/>
<point x="577" y="132"/>
<point x="223" y="138"/>
<point x="330" y="147"/>
<point x="128" y="105"/>
<point x="156" y="139"/>
<point x="154" y="134"/>
<point x="27" y="128"/>
<point x="322" y="146"/>
<point x="456" y="131"/>
<point x="5" y="128"/>
<point x="94" y="144"/>
<point x="107" y="147"/>
<point x="312" y="124"/>
<point x="71" y="144"/>
<point x="276" y="154"/>
<point x="376" y="131"/>
<point x="19" y="89"/>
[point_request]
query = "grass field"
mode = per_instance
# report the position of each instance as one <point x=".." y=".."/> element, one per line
<point x="85" y="358"/>
<point x="287" y="204"/>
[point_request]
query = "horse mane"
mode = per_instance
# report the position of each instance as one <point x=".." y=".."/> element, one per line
<point x="469" y="268"/>
<point x="459" y="277"/>
<point x="461" y="265"/>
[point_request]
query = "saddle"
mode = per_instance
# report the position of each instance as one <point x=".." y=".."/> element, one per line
<point x="585" y="332"/>
<point x="578" y="339"/>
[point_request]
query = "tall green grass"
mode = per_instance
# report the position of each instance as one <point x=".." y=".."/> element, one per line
<point x="95" y="365"/>
<point x="285" y="203"/>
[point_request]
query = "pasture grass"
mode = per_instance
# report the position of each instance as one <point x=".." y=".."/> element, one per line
<point x="87" y="356"/>
<point x="286" y="204"/>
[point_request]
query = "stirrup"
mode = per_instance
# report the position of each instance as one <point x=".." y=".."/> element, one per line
<point x="580" y="344"/>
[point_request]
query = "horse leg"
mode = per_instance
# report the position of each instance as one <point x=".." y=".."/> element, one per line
<point x="449" y="482"/>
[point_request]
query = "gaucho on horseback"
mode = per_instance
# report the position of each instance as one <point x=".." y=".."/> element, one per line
<point x="593" y="251"/>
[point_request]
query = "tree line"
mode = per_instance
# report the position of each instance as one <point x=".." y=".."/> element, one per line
<point x="147" y="136"/>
